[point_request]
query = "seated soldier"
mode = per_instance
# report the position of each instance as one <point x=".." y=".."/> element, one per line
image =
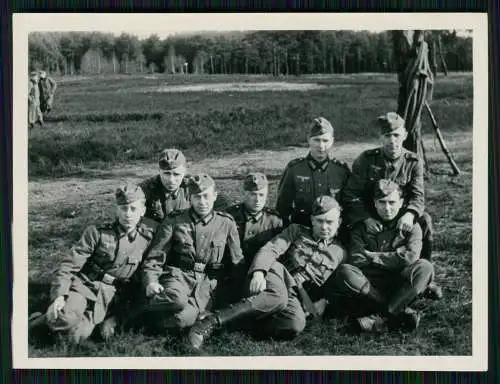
<point x="256" y="225"/>
<point x="384" y="272"/>
<point x="187" y="258"/>
<point x="391" y="161"/>
<point x="308" y="258"/>
<point x="91" y="279"/>
<point x="167" y="191"/>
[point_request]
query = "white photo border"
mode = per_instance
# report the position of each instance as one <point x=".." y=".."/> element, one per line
<point x="24" y="23"/>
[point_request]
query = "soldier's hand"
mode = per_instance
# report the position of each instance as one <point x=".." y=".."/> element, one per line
<point x="153" y="289"/>
<point x="258" y="283"/>
<point x="406" y="222"/>
<point x="372" y="226"/>
<point x="55" y="308"/>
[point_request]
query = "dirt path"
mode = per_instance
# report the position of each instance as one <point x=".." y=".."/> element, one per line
<point x="103" y="182"/>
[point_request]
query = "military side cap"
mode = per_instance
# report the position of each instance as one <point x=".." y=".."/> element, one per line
<point x="128" y="193"/>
<point x="320" y="126"/>
<point x="384" y="187"/>
<point x="323" y="204"/>
<point x="390" y="122"/>
<point x="171" y="158"/>
<point x="255" y="182"/>
<point x="200" y="182"/>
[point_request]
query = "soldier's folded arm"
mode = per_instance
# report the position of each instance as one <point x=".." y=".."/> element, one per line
<point x="404" y="255"/>
<point x="234" y="251"/>
<point x="354" y="192"/>
<point x="156" y="256"/>
<point x="273" y="249"/>
<point x="74" y="262"/>
<point x="357" y="249"/>
<point x="286" y="193"/>
<point x="416" y="198"/>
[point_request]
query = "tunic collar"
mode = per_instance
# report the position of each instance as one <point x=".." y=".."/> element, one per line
<point x="315" y="165"/>
<point x="196" y="219"/>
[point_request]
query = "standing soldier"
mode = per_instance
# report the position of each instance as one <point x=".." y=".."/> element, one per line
<point x="47" y="87"/>
<point x="390" y="161"/>
<point x="93" y="277"/>
<point x="317" y="174"/>
<point x="384" y="271"/>
<point x="187" y="257"/>
<point x="283" y="290"/>
<point x="34" y="112"/>
<point x="167" y="191"/>
<point x="256" y="225"/>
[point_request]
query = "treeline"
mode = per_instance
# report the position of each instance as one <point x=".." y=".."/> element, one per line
<point x="260" y="52"/>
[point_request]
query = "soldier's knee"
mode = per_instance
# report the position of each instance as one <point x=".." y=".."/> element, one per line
<point x="422" y="273"/>
<point x="66" y="320"/>
<point x="80" y="332"/>
<point x="169" y="299"/>
<point x="350" y="278"/>
<point x="186" y="318"/>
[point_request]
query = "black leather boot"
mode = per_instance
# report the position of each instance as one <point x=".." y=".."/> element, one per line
<point x="400" y="315"/>
<point x="205" y="326"/>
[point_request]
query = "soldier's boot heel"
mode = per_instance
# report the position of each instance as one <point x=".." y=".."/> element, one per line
<point x="204" y="327"/>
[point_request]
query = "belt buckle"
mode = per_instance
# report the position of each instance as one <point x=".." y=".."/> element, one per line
<point x="108" y="279"/>
<point x="199" y="267"/>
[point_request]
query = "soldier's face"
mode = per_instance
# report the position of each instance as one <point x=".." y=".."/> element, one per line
<point x="320" y="146"/>
<point x="389" y="206"/>
<point x="393" y="142"/>
<point x="255" y="200"/>
<point x="325" y="226"/>
<point x="172" y="178"/>
<point x="203" y="202"/>
<point x="130" y="214"/>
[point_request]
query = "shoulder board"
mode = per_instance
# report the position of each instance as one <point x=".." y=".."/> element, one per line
<point x="271" y="211"/>
<point x="411" y="155"/>
<point x="372" y="152"/>
<point x="175" y="212"/>
<point x="339" y="163"/>
<point x="225" y="214"/>
<point x="147" y="230"/>
<point x="147" y="222"/>
<point x="295" y="161"/>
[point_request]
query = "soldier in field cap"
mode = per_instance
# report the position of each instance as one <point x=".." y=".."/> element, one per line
<point x="306" y="178"/>
<point x="281" y="293"/>
<point x="92" y="278"/>
<point x="256" y="223"/>
<point x="192" y="251"/>
<point x="167" y="191"/>
<point x="390" y="161"/>
<point x="384" y="272"/>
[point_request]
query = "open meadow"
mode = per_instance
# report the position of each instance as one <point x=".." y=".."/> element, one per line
<point x="104" y="129"/>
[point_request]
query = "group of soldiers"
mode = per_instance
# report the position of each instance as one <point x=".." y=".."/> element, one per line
<point x="41" y="90"/>
<point x="358" y="240"/>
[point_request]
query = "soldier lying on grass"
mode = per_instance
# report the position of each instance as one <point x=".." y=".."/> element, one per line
<point x="279" y="290"/>
<point x="384" y="272"/>
<point x="90" y="280"/>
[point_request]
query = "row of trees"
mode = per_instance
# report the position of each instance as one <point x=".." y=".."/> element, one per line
<point x="260" y="52"/>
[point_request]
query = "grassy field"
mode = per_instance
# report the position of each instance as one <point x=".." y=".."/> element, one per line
<point x="103" y="130"/>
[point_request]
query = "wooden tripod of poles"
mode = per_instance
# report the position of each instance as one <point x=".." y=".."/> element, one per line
<point x="446" y="151"/>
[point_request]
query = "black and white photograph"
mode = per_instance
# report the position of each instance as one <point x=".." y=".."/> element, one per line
<point x="257" y="191"/>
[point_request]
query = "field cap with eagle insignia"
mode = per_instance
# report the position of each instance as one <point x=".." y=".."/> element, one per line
<point x="128" y="193"/>
<point x="324" y="204"/>
<point x="320" y="126"/>
<point x="390" y="122"/>
<point x="255" y="182"/>
<point x="171" y="158"/>
<point x="200" y="182"/>
<point x="384" y="188"/>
